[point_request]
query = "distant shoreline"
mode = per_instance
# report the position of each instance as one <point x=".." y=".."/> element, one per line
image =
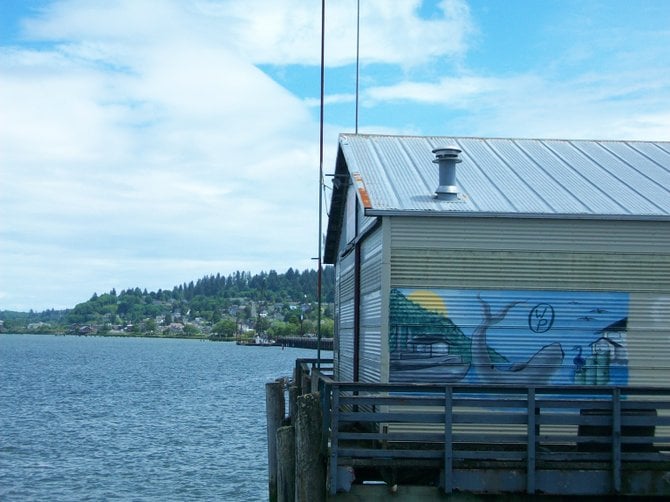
<point x="128" y="335"/>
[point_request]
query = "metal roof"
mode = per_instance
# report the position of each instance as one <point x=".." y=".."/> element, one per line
<point x="524" y="178"/>
<point x="513" y="177"/>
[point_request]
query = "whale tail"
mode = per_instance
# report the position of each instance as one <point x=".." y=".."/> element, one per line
<point x="491" y="319"/>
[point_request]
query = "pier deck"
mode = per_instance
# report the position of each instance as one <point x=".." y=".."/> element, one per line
<point x="497" y="439"/>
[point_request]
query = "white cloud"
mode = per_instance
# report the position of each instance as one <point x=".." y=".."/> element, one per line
<point x="139" y="150"/>
<point x="331" y="99"/>
<point x="392" y="32"/>
<point x="619" y="104"/>
<point x="597" y="76"/>
<point x="608" y="106"/>
<point x="451" y="91"/>
<point x="140" y="145"/>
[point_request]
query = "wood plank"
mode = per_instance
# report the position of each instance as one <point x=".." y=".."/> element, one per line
<point x="383" y="453"/>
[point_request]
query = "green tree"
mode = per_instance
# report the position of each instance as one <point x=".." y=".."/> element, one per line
<point x="225" y="328"/>
<point x="11" y="325"/>
<point x="282" y="329"/>
<point x="327" y="328"/>
<point x="216" y="316"/>
<point x="190" y="330"/>
<point x="262" y="324"/>
<point x="149" y="326"/>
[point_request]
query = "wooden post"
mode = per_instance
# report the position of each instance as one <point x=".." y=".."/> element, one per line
<point x="286" y="464"/>
<point x="274" y="409"/>
<point x="292" y="401"/>
<point x="314" y="381"/>
<point x="310" y="469"/>
<point x="297" y="376"/>
<point x="305" y="383"/>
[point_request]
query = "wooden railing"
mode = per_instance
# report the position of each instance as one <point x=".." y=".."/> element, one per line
<point x="308" y="370"/>
<point x="553" y="440"/>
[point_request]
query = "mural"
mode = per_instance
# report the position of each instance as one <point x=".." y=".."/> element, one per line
<point x="514" y="337"/>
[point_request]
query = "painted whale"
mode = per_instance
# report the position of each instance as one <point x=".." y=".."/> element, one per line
<point x="537" y="370"/>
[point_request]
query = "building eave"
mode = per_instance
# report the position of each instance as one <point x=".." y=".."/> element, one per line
<point x="547" y="216"/>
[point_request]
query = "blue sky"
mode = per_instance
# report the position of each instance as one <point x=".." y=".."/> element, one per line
<point x="144" y="143"/>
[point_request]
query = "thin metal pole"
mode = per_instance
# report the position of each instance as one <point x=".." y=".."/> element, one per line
<point x="358" y="52"/>
<point x="448" y="440"/>
<point x="532" y="434"/>
<point x="320" y="255"/>
<point x="616" y="439"/>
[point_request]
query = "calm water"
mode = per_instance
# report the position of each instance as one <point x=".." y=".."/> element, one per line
<point x="89" y="418"/>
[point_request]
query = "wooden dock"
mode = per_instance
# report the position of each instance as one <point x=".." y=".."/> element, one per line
<point x="305" y="342"/>
<point x="566" y="441"/>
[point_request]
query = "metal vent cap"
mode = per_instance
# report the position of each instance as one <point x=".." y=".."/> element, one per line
<point x="446" y="158"/>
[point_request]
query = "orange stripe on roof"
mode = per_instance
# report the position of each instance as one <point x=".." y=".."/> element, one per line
<point x="360" y="186"/>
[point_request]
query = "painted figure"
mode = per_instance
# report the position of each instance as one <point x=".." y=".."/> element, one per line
<point x="537" y="370"/>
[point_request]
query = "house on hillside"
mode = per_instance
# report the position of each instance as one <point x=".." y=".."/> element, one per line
<point x="491" y="261"/>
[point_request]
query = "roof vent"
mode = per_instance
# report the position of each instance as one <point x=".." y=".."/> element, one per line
<point x="446" y="158"/>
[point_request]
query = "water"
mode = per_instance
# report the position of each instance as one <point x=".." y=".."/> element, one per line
<point x="91" y="418"/>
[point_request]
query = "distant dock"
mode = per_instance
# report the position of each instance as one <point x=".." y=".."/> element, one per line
<point x="305" y="342"/>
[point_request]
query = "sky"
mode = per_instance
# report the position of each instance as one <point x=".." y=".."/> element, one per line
<point x="147" y="143"/>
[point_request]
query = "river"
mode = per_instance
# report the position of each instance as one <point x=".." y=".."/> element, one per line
<point x="106" y="418"/>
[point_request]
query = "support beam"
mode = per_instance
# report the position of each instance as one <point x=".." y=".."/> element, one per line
<point x="448" y="442"/>
<point x="616" y="440"/>
<point x="286" y="464"/>
<point x="532" y="434"/>
<point x="334" y="438"/>
<point x="274" y="410"/>
<point x="310" y="469"/>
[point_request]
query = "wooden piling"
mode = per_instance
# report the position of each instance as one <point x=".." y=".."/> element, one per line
<point x="314" y="381"/>
<point x="292" y="401"/>
<point x="286" y="464"/>
<point x="274" y="409"/>
<point x="305" y="383"/>
<point x="310" y="469"/>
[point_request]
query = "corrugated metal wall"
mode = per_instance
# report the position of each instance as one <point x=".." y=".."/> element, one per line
<point x="515" y="234"/>
<point x="371" y="307"/>
<point x="364" y="222"/>
<point x="344" y="315"/>
<point x="626" y="257"/>
<point x="336" y="316"/>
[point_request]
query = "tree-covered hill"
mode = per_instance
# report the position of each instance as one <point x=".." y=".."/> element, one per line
<point x="268" y="302"/>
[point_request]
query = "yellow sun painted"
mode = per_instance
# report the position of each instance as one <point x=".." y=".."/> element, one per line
<point x="429" y="300"/>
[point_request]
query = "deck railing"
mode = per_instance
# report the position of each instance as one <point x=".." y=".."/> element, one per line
<point x="556" y="440"/>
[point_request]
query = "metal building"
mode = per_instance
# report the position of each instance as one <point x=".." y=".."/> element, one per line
<point x="491" y="261"/>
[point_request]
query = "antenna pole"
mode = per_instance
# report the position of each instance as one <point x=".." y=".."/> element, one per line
<point x="320" y="255"/>
<point x="358" y="52"/>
